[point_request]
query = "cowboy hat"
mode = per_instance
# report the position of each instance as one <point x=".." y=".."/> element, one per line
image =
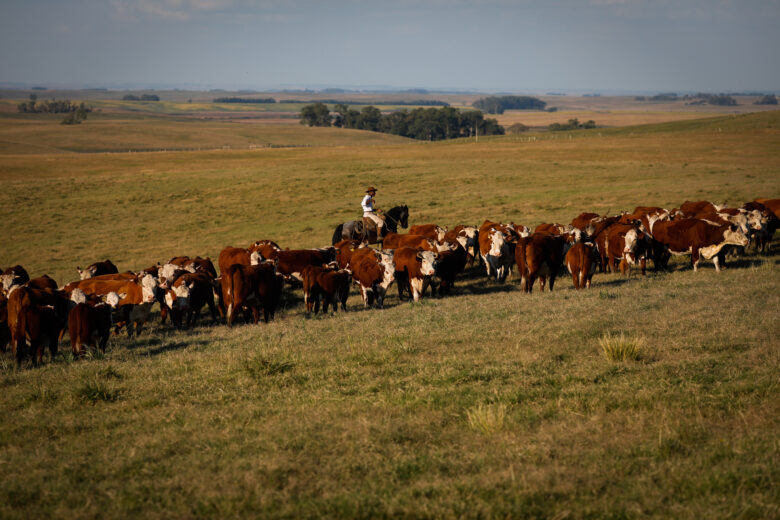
<point x="370" y="188"/>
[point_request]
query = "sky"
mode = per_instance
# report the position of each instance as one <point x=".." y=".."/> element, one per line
<point x="487" y="45"/>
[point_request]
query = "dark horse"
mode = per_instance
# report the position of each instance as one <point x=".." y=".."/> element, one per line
<point x="353" y="230"/>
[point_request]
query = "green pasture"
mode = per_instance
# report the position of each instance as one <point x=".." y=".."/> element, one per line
<point x="489" y="403"/>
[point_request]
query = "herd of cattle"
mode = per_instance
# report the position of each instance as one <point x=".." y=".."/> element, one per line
<point x="35" y="313"/>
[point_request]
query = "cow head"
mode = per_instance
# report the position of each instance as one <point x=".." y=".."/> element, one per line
<point x="112" y="299"/>
<point x="78" y="296"/>
<point x="427" y="262"/>
<point x="629" y="246"/>
<point x="496" y="242"/>
<point x="149" y="288"/>
<point x="733" y="235"/>
<point x="178" y="297"/>
<point x="85" y="274"/>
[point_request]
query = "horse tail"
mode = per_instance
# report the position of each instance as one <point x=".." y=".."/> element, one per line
<point x="337" y="235"/>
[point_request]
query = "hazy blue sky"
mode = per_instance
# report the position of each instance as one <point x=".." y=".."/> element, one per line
<point x="587" y="45"/>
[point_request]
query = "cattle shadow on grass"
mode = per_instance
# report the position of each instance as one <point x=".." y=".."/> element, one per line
<point x="174" y="346"/>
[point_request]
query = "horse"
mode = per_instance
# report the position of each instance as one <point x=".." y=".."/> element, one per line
<point x="353" y="230"/>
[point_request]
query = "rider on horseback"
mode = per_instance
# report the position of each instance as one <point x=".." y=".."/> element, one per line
<point x="370" y="214"/>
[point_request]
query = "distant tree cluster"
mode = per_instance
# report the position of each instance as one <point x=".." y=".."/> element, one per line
<point x="51" y="107"/>
<point x="712" y="99"/>
<point x="769" y="99"/>
<point x="243" y="100"/>
<point x="497" y="104"/>
<point x="416" y="103"/>
<point x="142" y="97"/>
<point x="664" y="96"/>
<point x="429" y="124"/>
<point x="573" y="124"/>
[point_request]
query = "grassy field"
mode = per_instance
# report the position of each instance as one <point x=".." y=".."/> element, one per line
<point x="487" y="404"/>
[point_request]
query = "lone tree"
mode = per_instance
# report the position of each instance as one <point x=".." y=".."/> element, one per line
<point x="315" y="115"/>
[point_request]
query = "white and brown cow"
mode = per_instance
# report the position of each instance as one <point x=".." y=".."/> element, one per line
<point x="413" y="269"/>
<point x="97" y="269"/>
<point x="373" y="272"/>
<point x="698" y="238"/>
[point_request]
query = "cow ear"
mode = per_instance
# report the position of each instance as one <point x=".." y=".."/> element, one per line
<point x="419" y="255"/>
<point x="122" y="296"/>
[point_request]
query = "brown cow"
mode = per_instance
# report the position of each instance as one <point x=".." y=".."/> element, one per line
<point x="96" y="269"/>
<point x="42" y="283"/>
<point x="89" y="323"/>
<point x="691" y="208"/>
<point x="250" y="287"/>
<point x="396" y="240"/>
<point x="468" y="237"/>
<point x="374" y="273"/>
<point x="449" y="265"/>
<point x="581" y="262"/>
<point x="769" y="223"/>
<point x="583" y="220"/>
<point x="541" y="256"/>
<point x="265" y="248"/>
<point x="626" y="244"/>
<point x="344" y="250"/>
<point x="5" y="332"/>
<point x="237" y="255"/>
<point x="292" y="262"/>
<point x="35" y="320"/>
<point x="431" y="231"/>
<point x="697" y="238"/>
<point x="329" y="284"/>
<point x="413" y="268"/>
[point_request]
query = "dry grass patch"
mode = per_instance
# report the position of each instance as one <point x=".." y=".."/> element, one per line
<point x="621" y="347"/>
<point x="487" y="418"/>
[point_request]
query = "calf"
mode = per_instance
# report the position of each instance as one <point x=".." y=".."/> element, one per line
<point x="329" y="284"/>
<point x="89" y="323"/>
<point x="468" y="237"/>
<point x="626" y="244"/>
<point x="344" y="251"/>
<point x="97" y="269"/>
<point x="581" y="261"/>
<point x="413" y="269"/>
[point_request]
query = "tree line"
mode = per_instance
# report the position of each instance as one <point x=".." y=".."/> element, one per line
<point x="497" y="104"/>
<point x="52" y="107"/>
<point x="417" y="102"/>
<point x="243" y="100"/>
<point x="143" y="97"/>
<point x="429" y="124"/>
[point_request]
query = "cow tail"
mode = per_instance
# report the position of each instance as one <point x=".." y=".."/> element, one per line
<point x="337" y="234"/>
<point x="230" y="293"/>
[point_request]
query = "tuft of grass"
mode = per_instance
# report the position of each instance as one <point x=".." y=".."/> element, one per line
<point x="42" y="394"/>
<point x="260" y="367"/>
<point x="487" y="418"/>
<point x="94" y="390"/>
<point x="621" y="347"/>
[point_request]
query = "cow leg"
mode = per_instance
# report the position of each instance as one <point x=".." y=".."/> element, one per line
<point x="695" y="258"/>
<point x="643" y="264"/>
<point x="542" y="281"/>
<point x="575" y="276"/>
<point x="716" y="260"/>
<point x="552" y="280"/>
<point x="164" y="313"/>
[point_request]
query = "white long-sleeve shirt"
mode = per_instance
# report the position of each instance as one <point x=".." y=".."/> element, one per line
<point x="368" y="204"/>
